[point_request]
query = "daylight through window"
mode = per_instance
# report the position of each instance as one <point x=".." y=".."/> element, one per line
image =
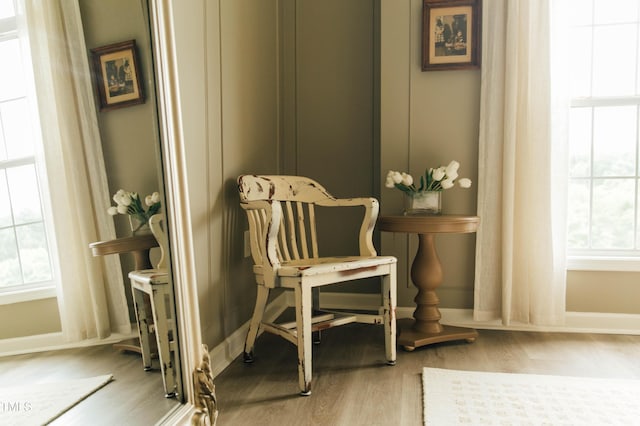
<point x="24" y="255"/>
<point x="603" y="129"/>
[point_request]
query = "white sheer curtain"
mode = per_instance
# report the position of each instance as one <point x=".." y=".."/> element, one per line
<point x="91" y="294"/>
<point x="520" y="261"/>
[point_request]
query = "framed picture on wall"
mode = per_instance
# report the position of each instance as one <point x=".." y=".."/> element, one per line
<point x="451" y="34"/>
<point x="117" y="75"/>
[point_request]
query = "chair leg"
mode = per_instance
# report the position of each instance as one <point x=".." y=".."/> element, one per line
<point x="142" y="317"/>
<point x="258" y="312"/>
<point x="304" y="305"/>
<point x="160" y="318"/>
<point x="389" y="303"/>
<point x="317" y="335"/>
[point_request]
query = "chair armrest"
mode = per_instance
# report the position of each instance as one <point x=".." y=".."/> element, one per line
<point x="372" y="207"/>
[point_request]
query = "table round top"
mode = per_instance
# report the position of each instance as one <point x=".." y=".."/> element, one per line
<point x="429" y="224"/>
<point x="123" y="245"/>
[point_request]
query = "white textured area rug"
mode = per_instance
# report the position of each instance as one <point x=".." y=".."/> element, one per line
<point x="41" y="403"/>
<point x="453" y="397"/>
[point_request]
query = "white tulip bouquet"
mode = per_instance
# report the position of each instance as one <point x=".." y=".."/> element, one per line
<point x="441" y="178"/>
<point x="129" y="203"/>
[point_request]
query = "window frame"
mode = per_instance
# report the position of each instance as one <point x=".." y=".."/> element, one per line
<point x="44" y="289"/>
<point x="594" y="259"/>
<point x="610" y="259"/>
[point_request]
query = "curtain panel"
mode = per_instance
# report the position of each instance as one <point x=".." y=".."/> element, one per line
<point x="520" y="258"/>
<point x="91" y="294"/>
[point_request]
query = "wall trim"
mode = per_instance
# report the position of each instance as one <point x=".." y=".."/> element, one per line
<point x="575" y="322"/>
<point x="28" y="295"/>
<point x="56" y="341"/>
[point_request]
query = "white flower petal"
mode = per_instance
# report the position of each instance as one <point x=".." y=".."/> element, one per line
<point x="438" y="174"/>
<point x="122" y="209"/>
<point x="112" y="210"/>
<point x="452" y="168"/>
<point x="446" y="184"/>
<point x="407" y="179"/>
<point x="397" y="177"/>
<point x="389" y="183"/>
<point x="465" y="183"/>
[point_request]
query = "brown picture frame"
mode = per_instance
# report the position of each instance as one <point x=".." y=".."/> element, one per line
<point x="451" y="33"/>
<point x="117" y="75"/>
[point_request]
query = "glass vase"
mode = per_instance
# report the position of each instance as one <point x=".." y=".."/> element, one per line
<point x="423" y="203"/>
<point x="138" y="227"/>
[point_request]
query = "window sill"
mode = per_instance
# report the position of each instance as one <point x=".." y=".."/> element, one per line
<point x="593" y="263"/>
<point x="27" y="295"/>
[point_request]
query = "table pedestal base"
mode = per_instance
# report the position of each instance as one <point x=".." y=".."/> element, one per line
<point x="410" y="339"/>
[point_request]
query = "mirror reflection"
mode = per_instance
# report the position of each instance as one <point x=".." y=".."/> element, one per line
<point x="66" y="305"/>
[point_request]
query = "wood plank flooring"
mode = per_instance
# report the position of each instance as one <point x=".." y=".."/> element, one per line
<point x="134" y="397"/>
<point x="353" y="385"/>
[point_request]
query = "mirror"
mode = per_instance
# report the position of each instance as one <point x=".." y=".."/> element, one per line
<point x="125" y="160"/>
<point x="197" y="380"/>
<point x="131" y="136"/>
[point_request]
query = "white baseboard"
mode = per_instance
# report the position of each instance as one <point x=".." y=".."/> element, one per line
<point x="576" y="322"/>
<point x="55" y="341"/>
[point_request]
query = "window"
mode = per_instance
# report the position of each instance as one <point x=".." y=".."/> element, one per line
<point x="604" y="190"/>
<point x="25" y="261"/>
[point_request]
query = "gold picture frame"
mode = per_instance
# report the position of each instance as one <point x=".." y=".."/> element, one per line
<point x="117" y="75"/>
<point x="451" y="32"/>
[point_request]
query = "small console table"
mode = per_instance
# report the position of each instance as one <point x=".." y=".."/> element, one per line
<point x="426" y="274"/>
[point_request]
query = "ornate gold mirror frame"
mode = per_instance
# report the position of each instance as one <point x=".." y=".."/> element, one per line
<point x="199" y="395"/>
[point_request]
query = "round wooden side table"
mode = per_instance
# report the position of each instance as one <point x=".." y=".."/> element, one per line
<point x="138" y="246"/>
<point x="426" y="274"/>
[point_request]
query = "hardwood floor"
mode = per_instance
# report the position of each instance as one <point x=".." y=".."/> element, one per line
<point x="134" y="397"/>
<point x="352" y="385"/>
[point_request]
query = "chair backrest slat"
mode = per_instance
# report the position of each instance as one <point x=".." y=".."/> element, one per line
<point x="283" y="244"/>
<point x="256" y="226"/>
<point x="302" y="230"/>
<point x="314" y="234"/>
<point x="291" y="230"/>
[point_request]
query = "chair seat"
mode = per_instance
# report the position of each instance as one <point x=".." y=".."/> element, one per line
<point x="325" y="265"/>
<point x="150" y="276"/>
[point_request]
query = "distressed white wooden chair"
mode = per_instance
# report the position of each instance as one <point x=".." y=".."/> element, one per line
<point x="284" y="246"/>
<point x="154" y="283"/>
